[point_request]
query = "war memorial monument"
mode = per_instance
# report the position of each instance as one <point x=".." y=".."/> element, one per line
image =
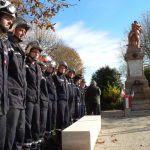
<point x="135" y="74"/>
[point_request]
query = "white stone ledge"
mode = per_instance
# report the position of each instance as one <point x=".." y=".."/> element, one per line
<point x="82" y="134"/>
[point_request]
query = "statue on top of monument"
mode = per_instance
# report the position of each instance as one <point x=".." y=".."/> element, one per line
<point x="134" y="35"/>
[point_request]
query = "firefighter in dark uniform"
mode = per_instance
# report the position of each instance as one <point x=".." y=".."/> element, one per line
<point x="32" y="112"/>
<point x="16" y="85"/>
<point x="44" y="59"/>
<point x="7" y="16"/>
<point x="62" y="94"/>
<point x="52" y="103"/>
<point x="77" y="95"/>
<point x="82" y="90"/>
<point x="69" y="76"/>
<point x="83" y="84"/>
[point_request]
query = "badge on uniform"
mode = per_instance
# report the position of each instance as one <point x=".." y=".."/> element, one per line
<point x="5" y="61"/>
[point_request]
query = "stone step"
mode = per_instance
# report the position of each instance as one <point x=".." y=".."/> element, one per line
<point x="139" y="102"/>
<point x="141" y="113"/>
<point x="112" y="113"/>
<point x="140" y="107"/>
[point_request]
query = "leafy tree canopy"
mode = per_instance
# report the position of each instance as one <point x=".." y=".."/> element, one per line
<point x="55" y="47"/>
<point x="107" y="76"/>
<point x="147" y="73"/>
<point x="70" y="56"/>
<point x="40" y="12"/>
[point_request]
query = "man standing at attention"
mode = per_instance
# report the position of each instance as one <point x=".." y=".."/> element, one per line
<point x="32" y="112"/>
<point x="69" y="76"/>
<point x="7" y="16"/>
<point x="16" y="85"/>
<point x="63" y="95"/>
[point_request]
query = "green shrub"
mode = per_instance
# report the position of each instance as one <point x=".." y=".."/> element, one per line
<point x="112" y="98"/>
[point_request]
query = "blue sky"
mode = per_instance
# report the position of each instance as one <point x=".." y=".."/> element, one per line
<point x="95" y="28"/>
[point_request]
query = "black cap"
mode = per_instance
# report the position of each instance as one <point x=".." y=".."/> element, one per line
<point x="78" y="76"/>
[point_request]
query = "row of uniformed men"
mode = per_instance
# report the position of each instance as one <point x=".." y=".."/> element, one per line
<point x="26" y="88"/>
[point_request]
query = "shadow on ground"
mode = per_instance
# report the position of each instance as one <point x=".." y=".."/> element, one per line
<point x="52" y="144"/>
<point x="125" y="125"/>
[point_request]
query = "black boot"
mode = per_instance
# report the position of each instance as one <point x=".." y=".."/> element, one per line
<point x="34" y="147"/>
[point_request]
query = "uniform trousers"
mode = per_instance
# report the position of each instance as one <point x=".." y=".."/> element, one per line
<point x="87" y="108"/>
<point x="70" y="107"/>
<point x="73" y="110"/>
<point x="43" y="120"/>
<point x="62" y="115"/>
<point x="98" y="109"/>
<point x="2" y="131"/>
<point x="32" y="125"/>
<point x="77" y="110"/>
<point x="51" y="118"/>
<point x="15" y="129"/>
<point x="82" y="110"/>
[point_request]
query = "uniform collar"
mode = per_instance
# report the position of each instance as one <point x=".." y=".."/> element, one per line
<point x="13" y="42"/>
<point x="48" y="73"/>
<point x="59" y="74"/>
<point x="28" y="61"/>
<point x="17" y="46"/>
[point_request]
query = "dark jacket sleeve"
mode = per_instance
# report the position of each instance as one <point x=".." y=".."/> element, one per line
<point x="55" y="79"/>
<point x="87" y="95"/>
<point x="78" y="96"/>
<point x="1" y="77"/>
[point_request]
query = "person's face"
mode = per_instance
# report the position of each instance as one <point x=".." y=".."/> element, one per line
<point x="80" y="80"/>
<point x="62" y="69"/>
<point x="83" y="83"/>
<point x="35" y="53"/>
<point x="71" y="74"/>
<point x="6" y="20"/>
<point x="50" y="69"/>
<point x="20" y="32"/>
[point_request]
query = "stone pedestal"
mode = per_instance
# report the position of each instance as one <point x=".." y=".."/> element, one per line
<point x="82" y="134"/>
<point x="135" y="76"/>
<point x="127" y="112"/>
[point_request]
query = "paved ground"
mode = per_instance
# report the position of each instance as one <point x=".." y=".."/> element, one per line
<point x="124" y="133"/>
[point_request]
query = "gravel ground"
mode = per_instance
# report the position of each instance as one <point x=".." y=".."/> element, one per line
<point x="124" y="133"/>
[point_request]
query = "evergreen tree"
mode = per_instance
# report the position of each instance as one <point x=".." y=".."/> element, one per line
<point x="106" y="77"/>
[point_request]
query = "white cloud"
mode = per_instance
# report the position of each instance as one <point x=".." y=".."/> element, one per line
<point x="95" y="48"/>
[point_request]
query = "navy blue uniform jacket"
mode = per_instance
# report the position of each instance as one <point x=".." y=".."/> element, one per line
<point x="70" y="89"/>
<point x="4" y="101"/>
<point x="33" y="77"/>
<point x="44" y="91"/>
<point x="16" y="75"/>
<point x="52" y="95"/>
<point x="77" y="93"/>
<point x="61" y="86"/>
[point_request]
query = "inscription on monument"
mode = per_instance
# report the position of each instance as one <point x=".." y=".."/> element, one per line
<point x="139" y="93"/>
<point x="135" y="67"/>
<point x="136" y="83"/>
